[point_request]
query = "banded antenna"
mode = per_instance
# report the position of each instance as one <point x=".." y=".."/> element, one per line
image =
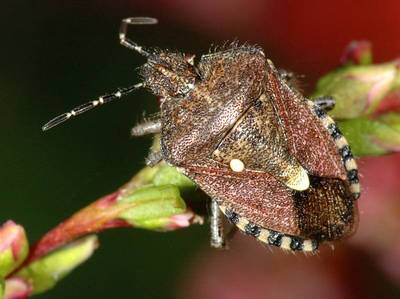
<point x="107" y="98"/>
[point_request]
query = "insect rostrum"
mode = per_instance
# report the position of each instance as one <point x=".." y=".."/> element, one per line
<point x="274" y="162"/>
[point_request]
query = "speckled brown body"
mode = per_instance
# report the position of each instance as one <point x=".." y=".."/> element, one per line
<point x="236" y="106"/>
<point x="272" y="161"/>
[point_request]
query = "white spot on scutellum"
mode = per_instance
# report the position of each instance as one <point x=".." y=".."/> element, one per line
<point x="236" y="165"/>
<point x="300" y="181"/>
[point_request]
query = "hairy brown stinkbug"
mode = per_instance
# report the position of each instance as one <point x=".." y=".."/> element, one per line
<point x="272" y="161"/>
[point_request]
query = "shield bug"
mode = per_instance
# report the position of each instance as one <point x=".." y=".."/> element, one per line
<point x="272" y="161"/>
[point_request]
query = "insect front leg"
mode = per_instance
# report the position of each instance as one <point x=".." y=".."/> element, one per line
<point x="325" y="103"/>
<point x="149" y="127"/>
<point x="216" y="226"/>
<point x="146" y="127"/>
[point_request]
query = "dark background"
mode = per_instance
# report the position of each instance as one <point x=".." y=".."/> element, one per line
<point x="58" y="54"/>
<point x="55" y="56"/>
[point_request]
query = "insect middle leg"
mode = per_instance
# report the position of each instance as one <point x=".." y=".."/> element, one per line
<point x="216" y="226"/>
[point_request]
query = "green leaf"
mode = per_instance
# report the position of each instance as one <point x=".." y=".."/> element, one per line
<point x="371" y="137"/>
<point x="358" y="89"/>
<point x="392" y="120"/>
<point x="45" y="272"/>
<point x="154" y="205"/>
<point x="168" y="175"/>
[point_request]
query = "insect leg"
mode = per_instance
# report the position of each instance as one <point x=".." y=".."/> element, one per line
<point x="153" y="158"/>
<point x="90" y="105"/>
<point x="216" y="226"/>
<point x="147" y="127"/>
<point x="326" y="103"/>
<point x="124" y="28"/>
